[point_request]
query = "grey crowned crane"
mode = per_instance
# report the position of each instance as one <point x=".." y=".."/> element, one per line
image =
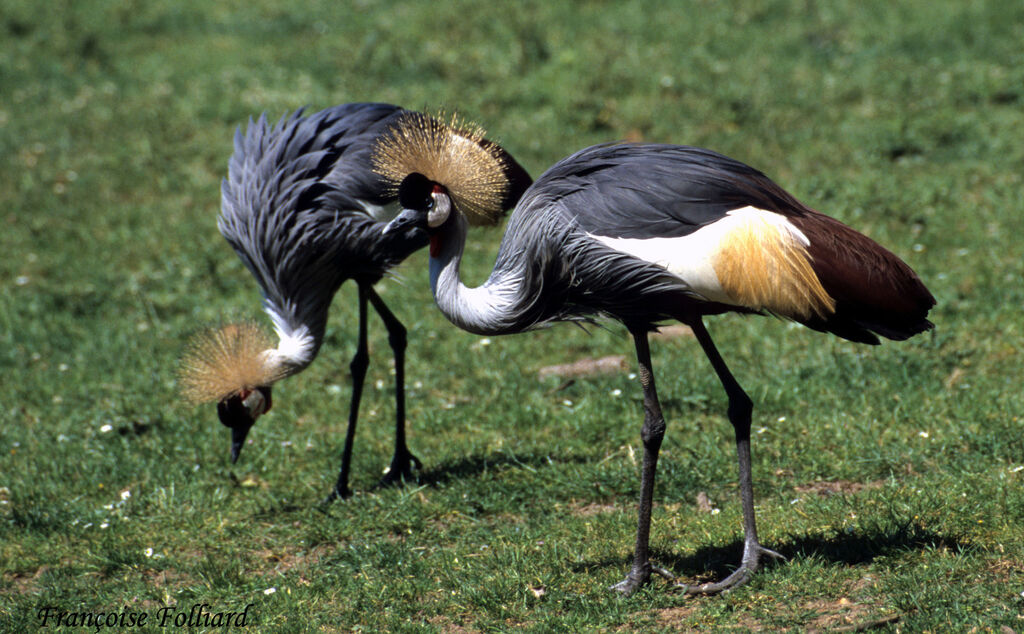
<point x="644" y="233"/>
<point x="304" y="210"/>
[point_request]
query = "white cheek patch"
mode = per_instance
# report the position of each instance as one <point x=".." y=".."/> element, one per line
<point x="439" y="212"/>
<point x="255" y="403"/>
<point x="692" y="257"/>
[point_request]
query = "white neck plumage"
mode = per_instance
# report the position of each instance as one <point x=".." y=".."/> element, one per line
<point x="488" y="309"/>
<point x="296" y="347"/>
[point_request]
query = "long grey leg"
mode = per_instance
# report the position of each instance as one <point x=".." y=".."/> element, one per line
<point x="360" y="362"/>
<point x="403" y="461"/>
<point x="652" y="434"/>
<point x="740" y="410"/>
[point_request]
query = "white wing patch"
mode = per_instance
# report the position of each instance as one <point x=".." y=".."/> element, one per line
<point x="691" y="257"/>
<point x="688" y="257"/>
<point x="696" y="259"/>
<point x="753" y="214"/>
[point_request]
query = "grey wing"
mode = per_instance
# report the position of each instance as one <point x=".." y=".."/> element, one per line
<point x="351" y="179"/>
<point x="292" y="206"/>
<point x="650" y="190"/>
<point x="622" y="191"/>
<point x="285" y="169"/>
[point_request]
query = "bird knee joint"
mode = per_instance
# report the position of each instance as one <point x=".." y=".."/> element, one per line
<point x="359" y="363"/>
<point x="653" y="431"/>
<point x="397" y="340"/>
<point x="740" y="412"/>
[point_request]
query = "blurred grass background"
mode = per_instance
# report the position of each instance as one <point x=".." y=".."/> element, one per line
<point x="889" y="476"/>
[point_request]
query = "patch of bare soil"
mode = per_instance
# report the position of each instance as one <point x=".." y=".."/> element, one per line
<point x="844" y="615"/>
<point x="704" y="503"/>
<point x="167" y="578"/>
<point x="446" y="625"/>
<point x="588" y="510"/>
<point x="23" y="582"/>
<point x="673" y="331"/>
<point x="1005" y="569"/>
<point x="841" y="614"/>
<point x="839" y="487"/>
<point x="672" y="618"/>
<point x="284" y="561"/>
<point x="614" y="364"/>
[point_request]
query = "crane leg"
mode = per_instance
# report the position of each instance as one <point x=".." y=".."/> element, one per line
<point x="360" y="362"/>
<point x="740" y="409"/>
<point x="403" y="462"/>
<point x="652" y="434"/>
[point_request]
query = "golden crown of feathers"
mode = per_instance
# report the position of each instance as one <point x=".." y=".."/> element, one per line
<point x="225" y="361"/>
<point x="454" y="154"/>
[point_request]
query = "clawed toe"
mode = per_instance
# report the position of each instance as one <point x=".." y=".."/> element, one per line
<point x="771" y="553"/>
<point x="752" y="552"/>
<point x="751" y="562"/>
<point x="402" y="470"/>
<point x="736" y="579"/>
<point x="634" y="580"/>
<point x="336" y="494"/>
<point x="630" y="584"/>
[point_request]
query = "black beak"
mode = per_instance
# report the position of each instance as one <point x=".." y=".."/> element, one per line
<point x="408" y="219"/>
<point x="234" y="413"/>
<point x="238" y="435"/>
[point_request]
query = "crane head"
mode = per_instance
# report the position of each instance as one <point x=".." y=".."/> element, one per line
<point x="234" y="367"/>
<point x="240" y="411"/>
<point x="478" y="176"/>
<point x="426" y="205"/>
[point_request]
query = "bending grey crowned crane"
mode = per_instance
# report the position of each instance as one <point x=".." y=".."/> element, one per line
<point x="644" y="233"/>
<point x="304" y="210"/>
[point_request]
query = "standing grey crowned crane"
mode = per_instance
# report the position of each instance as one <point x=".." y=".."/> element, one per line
<point x="643" y="233"/>
<point x="304" y="210"/>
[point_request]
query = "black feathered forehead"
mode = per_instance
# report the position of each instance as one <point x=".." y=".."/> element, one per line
<point x="415" y="191"/>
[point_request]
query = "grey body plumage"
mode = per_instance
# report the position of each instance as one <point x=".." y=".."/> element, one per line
<point x="644" y="233"/>
<point x="301" y="207"/>
<point x="552" y="248"/>
<point x="304" y="209"/>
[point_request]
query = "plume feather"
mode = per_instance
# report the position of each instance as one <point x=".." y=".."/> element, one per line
<point x="226" y="361"/>
<point x="454" y="154"/>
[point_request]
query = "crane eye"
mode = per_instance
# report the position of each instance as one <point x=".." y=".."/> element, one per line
<point x="439" y="208"/>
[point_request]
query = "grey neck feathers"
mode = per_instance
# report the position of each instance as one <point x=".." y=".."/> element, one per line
<point x="493" y="308"/>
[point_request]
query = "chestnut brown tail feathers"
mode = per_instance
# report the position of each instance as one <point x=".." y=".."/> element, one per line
<point x="876" y="293"/>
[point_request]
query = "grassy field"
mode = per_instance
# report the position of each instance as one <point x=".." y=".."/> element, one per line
<point x="890" y="477"/>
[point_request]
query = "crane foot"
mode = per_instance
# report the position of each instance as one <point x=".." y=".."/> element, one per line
<point x="402" y="469"/>
<point x="335" y="494"/>
<point x="748" y="566"/>
<point x="752" y="553"/>
<point x="637" y="578"/>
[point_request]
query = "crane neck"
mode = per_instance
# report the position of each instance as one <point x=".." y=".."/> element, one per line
<point x="297" y="345"/>
<point x="488" y="309"/>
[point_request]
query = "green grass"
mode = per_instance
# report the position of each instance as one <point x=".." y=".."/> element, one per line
<point x="901" y="119"/>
